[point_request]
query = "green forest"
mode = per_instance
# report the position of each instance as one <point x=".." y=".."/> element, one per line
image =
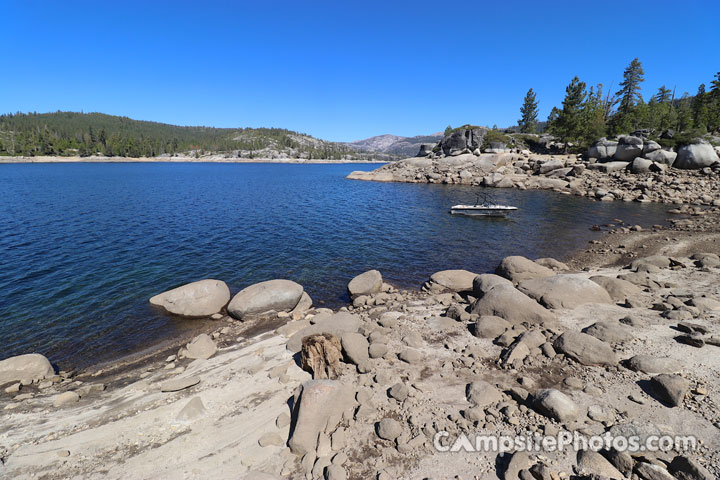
<point x="587" y="114"/>
<point x="70" y="133"/>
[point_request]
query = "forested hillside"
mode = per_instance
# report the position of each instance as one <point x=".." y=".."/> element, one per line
<point x="70" y="133"/>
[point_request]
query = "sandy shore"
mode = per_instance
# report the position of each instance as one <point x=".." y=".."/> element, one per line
<point x="177" y="159"/>
<point x="124" y="426"/>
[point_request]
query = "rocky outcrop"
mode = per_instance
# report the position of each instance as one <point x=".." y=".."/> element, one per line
<point x="196" y="299"/>
<point x="31" y="367"/>
<point x="628" y="148"/>
<point x="696" y="155"/>
<point x="263" y="297"/>
<point x="603" y="149"/>
<point x="463" y="139"/>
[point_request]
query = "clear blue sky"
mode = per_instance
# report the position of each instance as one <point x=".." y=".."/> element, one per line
<point x="340" y="70"/>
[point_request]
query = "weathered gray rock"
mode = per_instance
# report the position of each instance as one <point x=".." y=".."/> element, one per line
<point x="389" y="429"/>
<point x="366" y="283"/>
<point x="696" y="155"/>
<point x="304" y="304"/>
<point x="593" y="463"/>
<point x="196" y="299"/>
<point x="653" y="365"/>
<point x="670" y="389"/>
<point x="489" y="326"/>
<point x="609" y="331"/>
<point x="660" y="261"/>
<point x="319" y="409"/>
<point x="518" y="462"/>
<point x="336" y="324"/>
<point x="177" y="384"/>
<point x="192" y="410"/>
<point x="511" y="304"/>
<point x="461" y="139"/>
<point x="355" y="346"/>
<point x="628" y="148"/>
<point x="585" y="349"/>
<point x="684" y="468"/>
<point x="552" y="264"/>
<point x="454" y="280"/>
<point x="263" y="297"/>
<point x="640" y="165"/>
<point x="66" y="398"/>
<point x="650" y="146"/>
<point x="517" y="352"/>
<point x="663" y="157"/>
<point x="399" y="392"/>
<point x="31" y="366"/>
<point x="650" y="471"/>
<point x="480" y="393"/>
<point x="202" y="347"/>
<point x="564" y="291"/>
<point x="602" y="149"/>
<point x="619" y="290"/>
<point x="555" y="404"/>
<point x="484" y="282"/>
<point x="517" y="269"/>
<point x="335" y="472"/>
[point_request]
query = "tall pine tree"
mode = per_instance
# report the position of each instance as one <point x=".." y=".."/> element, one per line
<point x="569" y="123"/>
<point x="629" y="95"/>
<point x="529" y="112"/>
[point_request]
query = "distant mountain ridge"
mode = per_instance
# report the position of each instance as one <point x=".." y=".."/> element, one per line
<point x="395" y="145"/>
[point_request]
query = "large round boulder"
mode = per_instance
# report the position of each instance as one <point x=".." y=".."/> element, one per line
<point x="263" y="297"/>
<point x="564" y="291"/>
<point x="196" y="299"/>
<point x="663" y="156"/>
<point x="365" y="284"/>
<point x="455" y="280"/>
<point x="517" y="269"/>
<point x="619" y="290"/>
<point x="31" y="366"/>
<point x="485" y="281"/>
<point x="629" y="148"/>
<point x="585" y="349"/>
<point x="696" y="155"/>
<point x="505" y="301"/>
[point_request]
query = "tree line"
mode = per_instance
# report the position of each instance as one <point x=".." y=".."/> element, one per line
<point x="71" y="133"/>
<point x="588" y="114"/>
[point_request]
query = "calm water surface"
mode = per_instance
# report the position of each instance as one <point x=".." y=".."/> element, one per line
<point x="83" y="246"/>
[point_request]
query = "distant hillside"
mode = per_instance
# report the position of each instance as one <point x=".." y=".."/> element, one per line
<point x="395" y="145"/>
<point x="70" y="133"/>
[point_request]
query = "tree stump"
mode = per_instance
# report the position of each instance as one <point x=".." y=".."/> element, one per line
<point x="321" y="355"/>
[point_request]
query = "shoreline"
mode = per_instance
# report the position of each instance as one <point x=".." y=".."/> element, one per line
<point x="208" y="159"/>
<point x="245" y="386"/>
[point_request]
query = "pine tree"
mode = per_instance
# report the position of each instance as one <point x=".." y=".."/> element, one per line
<point x="529" y="112"/>
<point x="714" y="104"/>
<point x="699" y="108"/>
<point x="569" y="123"/>
<point x="630" y="92"/>
<point x="684" y="114"/>
<point x="593" y="121"/>
<point x="663" y="95"/>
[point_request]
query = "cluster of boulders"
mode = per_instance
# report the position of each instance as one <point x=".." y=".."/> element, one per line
<point x="531" y="349"/>
<point x="631" y="168"/>
<point x="380" y="363"/>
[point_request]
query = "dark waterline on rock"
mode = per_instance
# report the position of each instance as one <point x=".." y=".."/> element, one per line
<point x="84" y="246"/>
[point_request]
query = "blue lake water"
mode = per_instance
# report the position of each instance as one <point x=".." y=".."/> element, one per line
<point x="83" y="246"/>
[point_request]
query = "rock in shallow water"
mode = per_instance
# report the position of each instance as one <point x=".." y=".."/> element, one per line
<point x="263" y="297"/>
<point x="31" y="366"/>
<point x="196" y="299"/>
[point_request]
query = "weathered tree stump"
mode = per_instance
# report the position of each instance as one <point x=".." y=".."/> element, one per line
<point x="320" y="355"/>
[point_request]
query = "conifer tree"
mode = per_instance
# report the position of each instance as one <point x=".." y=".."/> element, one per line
<point x="529" y="113"/>
<point x="699" y="108"/>
<point x="630" y="92"/>
<point x="569" y="123"/>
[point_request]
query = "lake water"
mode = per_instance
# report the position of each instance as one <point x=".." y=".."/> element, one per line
<point x="83" y="246"/>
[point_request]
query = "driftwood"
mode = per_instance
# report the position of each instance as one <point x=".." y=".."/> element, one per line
<point x="321" y="354"/>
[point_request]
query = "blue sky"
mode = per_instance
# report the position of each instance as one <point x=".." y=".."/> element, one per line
<point x="340" y="70"/>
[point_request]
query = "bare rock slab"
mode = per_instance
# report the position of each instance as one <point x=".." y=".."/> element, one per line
<point x="517" y="269"/>
<point x="177" y="384"/>
<point x="196" y="299"/>
<point x="511" y="304"/>
<point x="66" y="398"/>
<point x="453" y="280"/>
